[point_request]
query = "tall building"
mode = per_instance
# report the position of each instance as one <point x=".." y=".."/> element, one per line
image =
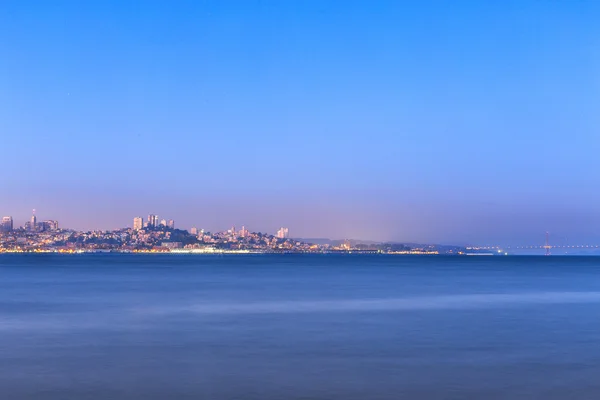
<point x="138" y="223"/>
<point x="163" y="222"/>
<point x="194" y="231"/>
<point x="33" y="222"/>
<point x="282" y="233"/>
<point x="7" y="224"/>
<point x="152" y="220"/>
<point x="171" y="224"/>
<point x="243" y="232"/>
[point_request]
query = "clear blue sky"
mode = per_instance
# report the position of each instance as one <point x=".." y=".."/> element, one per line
<point x="446" y="121"/>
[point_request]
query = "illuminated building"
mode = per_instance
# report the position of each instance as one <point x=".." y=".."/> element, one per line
<point x="172" y="245"/>
<point x="152" y="220"/>
<point x="194" y="231"/>
<point x="171" y="224"/>
<point x="163" y="222"/>
<point x="138" y="223"/>
<point x="32" y="222"/>
<point x="282" y="233"/>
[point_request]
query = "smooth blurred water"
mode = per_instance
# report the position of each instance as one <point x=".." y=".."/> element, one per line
<point x="299" y="327"/>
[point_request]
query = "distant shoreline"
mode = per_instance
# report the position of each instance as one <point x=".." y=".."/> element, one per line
<point x="244" y="252"/>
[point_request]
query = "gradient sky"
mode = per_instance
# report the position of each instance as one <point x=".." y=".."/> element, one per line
<point x="438" y="121"/>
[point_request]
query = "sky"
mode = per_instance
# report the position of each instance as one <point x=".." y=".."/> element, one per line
<point x="459" y="122"/>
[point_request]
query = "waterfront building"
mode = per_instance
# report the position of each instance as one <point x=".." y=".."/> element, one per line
<point x="172" y="245"/>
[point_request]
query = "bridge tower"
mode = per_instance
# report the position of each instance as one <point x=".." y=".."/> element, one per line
<point x="547" y="245"/>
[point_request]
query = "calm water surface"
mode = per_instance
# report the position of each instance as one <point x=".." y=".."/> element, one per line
<point x="299" y="327"/>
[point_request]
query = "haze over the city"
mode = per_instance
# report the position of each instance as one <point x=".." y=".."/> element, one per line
<point x="448" y="122"/>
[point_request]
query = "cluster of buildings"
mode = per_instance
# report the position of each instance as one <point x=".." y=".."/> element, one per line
<point x="150" y="235"/>
<point x="242" y="233"/>
<point x="33" y="225"/>
<point x="152" y="222"/>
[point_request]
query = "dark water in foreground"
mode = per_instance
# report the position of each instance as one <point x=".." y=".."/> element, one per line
<point x="299" y="327"/>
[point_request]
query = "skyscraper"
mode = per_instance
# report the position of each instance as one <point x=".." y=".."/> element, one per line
<point x="138" y="223"/>
<point x="153" y="220"/>
<point x="33" y="222"/>
<point x="163" y="222"/>
<point x="7" y="224"/>
<point x="171" y="224"/>
<point x="194" y="231"/>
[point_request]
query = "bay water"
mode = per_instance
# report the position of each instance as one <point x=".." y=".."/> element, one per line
<point x="117" y="326"/>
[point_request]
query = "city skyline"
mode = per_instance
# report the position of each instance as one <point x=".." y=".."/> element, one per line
<point x="387" y="121"/>
<point x="152" y="237"/>
<point x="7" y="224"/>
<point x="153" y="221"/>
